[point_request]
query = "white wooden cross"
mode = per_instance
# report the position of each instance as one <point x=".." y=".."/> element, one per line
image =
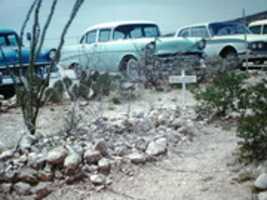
<point x="183" y="79"/>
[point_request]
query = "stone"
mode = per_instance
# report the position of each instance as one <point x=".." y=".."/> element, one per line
<point x="137" y="158"/>
<point x="6" y="155"/>
<point x="157" y="147"/>
<point x="72" y="161"/>
<point x="261" y="182"/>
<point x="141" y="144"/>
<point x="101" y="146"/>
<point x="92" y="156"/>
<point x="36" y="161"/>
<point x="45" y="176"/>
<point x="27" y="141"/>
<point x="5" y="187"/>
<point x="79" y="176"/>
<point x="98" y="179"/>
<point x="262" y="196"/>
<point x="56" y="156"/>
<point x="104" y="166"/>
<point x="42" y="190"/>
<point x="27" y="175"/>
<point x="22" y="189"/>
<point x="8" y="176"/>
<point x="121" y="150"/>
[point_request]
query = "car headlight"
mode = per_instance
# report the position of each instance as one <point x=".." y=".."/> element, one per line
<point x="52" y="54"/>
<point x="256" y="45"/>
<point x="201" y="44"/>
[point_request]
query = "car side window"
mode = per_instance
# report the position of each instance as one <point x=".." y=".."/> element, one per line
<point x="265" y="29"/>
<point x="200" y="31"/>
<point x="256" y="29"/>
<point x="136" y="33"/>
<point x="184" y="33"/>
<point x="91" y="37"/>
<point x="2" y="40"/>
<point x="104" y="35"/>
<point x="119" y="35"/>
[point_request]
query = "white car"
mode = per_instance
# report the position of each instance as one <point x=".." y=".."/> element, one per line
<point x="228" y="40"/>
<point x="259" y="27"/>
<point x="115" y="47"/>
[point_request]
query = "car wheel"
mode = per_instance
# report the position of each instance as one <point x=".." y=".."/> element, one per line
<point x="8" y="92"/>
<point x="232" y="60"/>
<point x="132" y="71"/>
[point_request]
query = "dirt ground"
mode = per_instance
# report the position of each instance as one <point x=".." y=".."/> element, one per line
<point x="200" y="170"/>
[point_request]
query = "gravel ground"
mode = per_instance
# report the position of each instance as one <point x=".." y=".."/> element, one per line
<point x="200" y="170"/>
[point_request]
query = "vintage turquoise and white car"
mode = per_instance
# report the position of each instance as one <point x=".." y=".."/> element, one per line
<point x="10" y="66"/>
<point x="114" y="47"/>
<point x="228" y="40"/>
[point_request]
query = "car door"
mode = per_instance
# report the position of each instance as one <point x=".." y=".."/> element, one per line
<point x="104" y="50"/>
<point x="88" y="58"/>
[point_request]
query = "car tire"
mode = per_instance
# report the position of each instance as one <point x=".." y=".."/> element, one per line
<point x="8" y="92"/>
<point x="132" y="69"/>
<point x="231" y="57"/>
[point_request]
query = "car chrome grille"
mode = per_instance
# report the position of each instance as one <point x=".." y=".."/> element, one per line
<point x="259" y="46"/>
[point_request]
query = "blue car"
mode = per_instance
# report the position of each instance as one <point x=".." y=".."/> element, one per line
<point x="10" y="62"/>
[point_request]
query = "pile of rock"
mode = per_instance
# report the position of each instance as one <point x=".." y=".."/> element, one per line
<point x="261" y="185"/>
<point x="39" y="164"/>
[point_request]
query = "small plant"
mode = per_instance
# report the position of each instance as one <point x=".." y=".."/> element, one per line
<point x="253" y="123"/>
<point x="222" y="93"/>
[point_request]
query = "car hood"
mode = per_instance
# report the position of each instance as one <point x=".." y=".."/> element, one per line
<point x="250" y="37"/>
<point x="10" y="55"/>
<point x="176" y="44"/>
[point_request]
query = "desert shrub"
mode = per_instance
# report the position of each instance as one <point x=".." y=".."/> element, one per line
<point x="56" y="93"/>
<point x="222" y="93"/>
<point x="252" y="127"/>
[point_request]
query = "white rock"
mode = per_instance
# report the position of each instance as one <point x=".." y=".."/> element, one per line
<point x="137" y="158"/>
<point x="98" y="179"/>
<point x="92" y="156"/>
<point x="57" y="155"/>
<point x="157" y="147"/>
<point x="261" y="182"/>
<point x="22" y="188"/>
<point x="104" y="165"/>
<point x="262" y="196"/>
<point x="27" y="141"/>
<point x="72" y="161"/>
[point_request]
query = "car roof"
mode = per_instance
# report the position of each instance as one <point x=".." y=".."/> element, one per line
<point x="259" y="22"/>
<point x="115" y="24"/>
<point x="202" y="24"/>
<point x="192" y="25"/>
<point x="6" y="30"/>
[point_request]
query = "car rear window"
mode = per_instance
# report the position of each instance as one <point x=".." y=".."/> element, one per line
<point x="136" y="31"/>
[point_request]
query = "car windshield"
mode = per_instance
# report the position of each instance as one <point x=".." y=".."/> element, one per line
<point x="136" y="31"/>
<point x="220" y="29"/>
<point x="8" y="39"/>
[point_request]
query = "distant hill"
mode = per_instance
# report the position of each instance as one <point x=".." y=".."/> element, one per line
<point x="251" y="18"/>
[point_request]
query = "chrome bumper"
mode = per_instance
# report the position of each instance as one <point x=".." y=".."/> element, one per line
<point x="254" y="59"/>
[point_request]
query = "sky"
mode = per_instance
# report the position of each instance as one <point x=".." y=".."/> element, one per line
<point x="168" y="14"/>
